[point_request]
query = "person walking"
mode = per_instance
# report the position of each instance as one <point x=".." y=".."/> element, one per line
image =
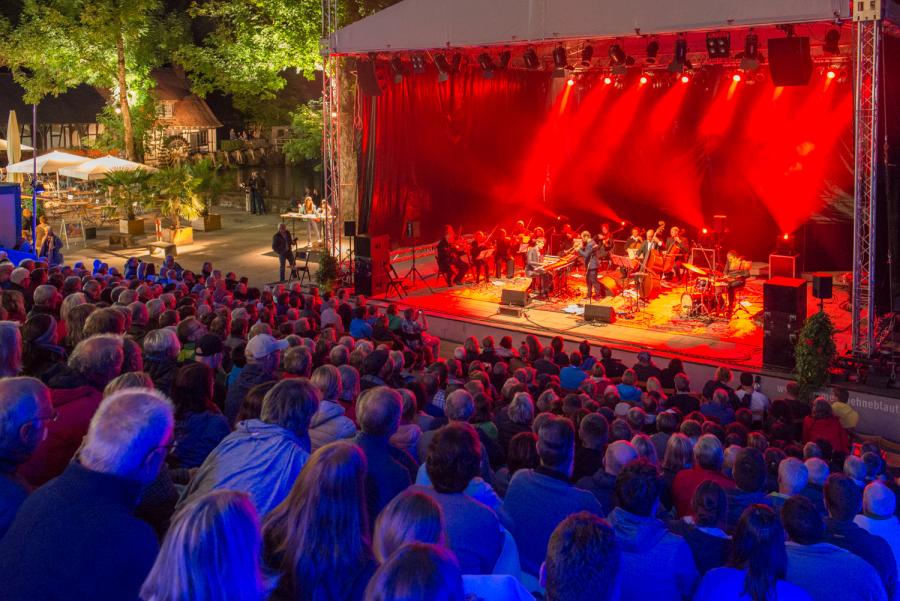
<point x="283" y="244"/>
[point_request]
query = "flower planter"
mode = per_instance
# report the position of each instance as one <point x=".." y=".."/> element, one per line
<point x="210" y="223"/>
<point x="184" y="235"/>
<point x="131" y="226"/>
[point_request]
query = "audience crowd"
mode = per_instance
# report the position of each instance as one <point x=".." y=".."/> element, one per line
<point x="186" y="437"/>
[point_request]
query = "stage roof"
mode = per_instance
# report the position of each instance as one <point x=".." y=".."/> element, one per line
<point x="434" y="24"/>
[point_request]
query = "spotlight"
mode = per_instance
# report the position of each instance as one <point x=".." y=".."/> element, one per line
<point x="644" y="79"/>
<point x="397" y="69"/>
<point x="718" y="45"/>
<point x="786" y="237"/>
<point x="617" y="55"/>
<point x="559" y="57"/>
<point x="685" y="79"/>
<point x="570" y="82"/>
<point x="418" y="63"/>
<point x="751" y="57"/>
<point x="587" y="53"/>
<point x="830" y="74"/>
<point x="487" y="65"/>
<point x="680" y="60"/>
<point x="504" y="59"/>
<point x="652" y="51"/>
<point x="607" y="80"/>
<point x="704" y="231"/>
<point x="736" y="77"/>
<point x="443" y="67"/>
<point x="832" y="43"/>
<point x="531" y="59"/>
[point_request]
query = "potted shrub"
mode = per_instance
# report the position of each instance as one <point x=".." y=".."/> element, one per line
<point x="814" y="352"/>
<point x="209" y="187"/>
<point x="128" y="190"/>
<point x="328" y="273"/>
<point x="177" y="199"/>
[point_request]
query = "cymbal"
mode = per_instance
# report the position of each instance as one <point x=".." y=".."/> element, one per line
<point x="695" y="269"/>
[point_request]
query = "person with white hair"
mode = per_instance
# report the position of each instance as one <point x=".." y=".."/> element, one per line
<point x="602" y="484"/>
<point x="10" y="349"/>
<point x="792" y="479"/>
<point x="458" y="407"/>
<point x="46" y="299"/>
<point x="25" y="411"/>
<point x="817" y="470"/>
<point x="87" y="513"/>
<point x="161" y="348"/>
<point x="331" y="318"/>
<point x="878" y="515"/>
<point x="263" y="353"/>
<point x="76" y="392"/>
<point x="262" y="457"/>
<point x="329" y="422"/>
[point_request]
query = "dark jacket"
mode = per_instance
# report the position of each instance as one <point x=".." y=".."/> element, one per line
<point x="162" y="370"/>
<point x="197" y="435"/>
<point x="874" y="549"/>
<point x="602" y="486"/>
<point x="249" y="377"/>
<point x="13" y="492"/>
<point x="709" y="550"/>
<point x="587" y="463"/>
<point x="76" y="538"/>
<point x="389" y="471"/>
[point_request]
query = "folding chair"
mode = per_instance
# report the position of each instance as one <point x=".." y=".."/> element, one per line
<point x="394" y="280"/>
<point x="304" y="269"/>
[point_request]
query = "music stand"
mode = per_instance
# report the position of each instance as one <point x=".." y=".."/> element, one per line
<point x="412" y="232"/>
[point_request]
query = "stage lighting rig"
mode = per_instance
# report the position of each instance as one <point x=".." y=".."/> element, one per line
<point x="560" y="60"/>
<point x="418" y="63"/>
<point x="443" y="67"/>
<point x="832" y="43"/>
<point x="505" y="56"/>
<point x="397" y="69"/>
<point x="486" y="64"/>
<point x="531" y="59"/>
<point x="718" y="44"/>
<point x="652" y="51"/>
<point x="680" y="60"/>
<point x="587" y="53"/>
<point x="751" y="57"/>
<point x="617" y="56"/>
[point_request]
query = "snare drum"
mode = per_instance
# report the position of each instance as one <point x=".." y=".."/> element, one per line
<point x="692" y="304"/>
<point x="702" y="284"/>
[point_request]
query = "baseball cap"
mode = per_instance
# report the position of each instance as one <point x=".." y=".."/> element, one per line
<point x="263" y="344"/>
<point x="209" y="345"/>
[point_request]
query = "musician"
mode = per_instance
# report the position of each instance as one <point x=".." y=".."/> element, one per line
<point x="737" y="269"/>
<point x="564" y="238"/>
<point x="588" y="250"/>
<point x="520" y="235"/>
<point x="450" y="265"/>
<point x="650" y="243"/>
<point x="478" y="246"/>
<point x="503" y="261"/>
<point x="677" y="246"/>
<point x="534" y="266"/>
<point x="635" y="241"/>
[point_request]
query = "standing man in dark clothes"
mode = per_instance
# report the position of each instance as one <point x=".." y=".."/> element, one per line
<point x="283" y="245"/>
<point x="258" y="187"/>
<point x="76" y="537"/>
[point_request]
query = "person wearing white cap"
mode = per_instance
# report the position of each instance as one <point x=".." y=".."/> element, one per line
<point x="263" y="354"/>
<point x="877" y="517"/>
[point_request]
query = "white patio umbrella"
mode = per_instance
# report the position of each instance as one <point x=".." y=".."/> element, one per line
<point x="4" y="145"/>
<point x="13" y="148"/>
<point x="98" y="168"/>
<point x="51" y="162"/>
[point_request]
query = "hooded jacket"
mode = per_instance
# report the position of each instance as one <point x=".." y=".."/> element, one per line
<point x="329" y="424"/>
<point x="656" y="564"/>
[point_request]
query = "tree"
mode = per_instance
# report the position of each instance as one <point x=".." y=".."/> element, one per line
<point x="176" y="194"/>
<point x="305" y="143"/>
<point x="210" y="185"/>
<point x="59" y="44"/>
<point x="127" y="190"/>
<point x="814" y="352"/>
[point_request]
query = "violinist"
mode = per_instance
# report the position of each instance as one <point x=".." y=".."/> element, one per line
<point x="450" y="264"/>
<point x="504" y="266"/>
<point x="478" y="262"/>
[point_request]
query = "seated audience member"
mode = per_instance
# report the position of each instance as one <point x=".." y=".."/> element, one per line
<point x="593" y="432"/>
<point x="161" y="348"/>
<point x="677" y="457"/>
<point x="262" y="457"/>
<point x="817" y="471"/>
<point x="583" y="561"/>
<point x="792" y="480"/>
<point x="720" y="381"/>
<point x="359" y="327"/>
<point x="212" y="547"/>
<point x="408" y="432"/>
<point x="522" y="455"/>
<point x="627" y="390"/>
<point x="645" y="368"/>
<point x="76" y="393"/>
<point x="538" y="500"/>
<point x="826" y="572"/>
<point x="390" y="470"/>
<point x="10" y="349"/>
<point x="646" y="542"/>
<point x="666" y="425"/>
<point x="263" y="354"/>
<point x="750" y="480"/>
<point x="758" y="565"/>
<point x="418" y="571"/>
<point x="473" y="529"/>
<point x="87" y="512"/>
<point x="603" y="483"/>
<point x="199" y="425"/>
<point x="297" y="362"/>
<point x="717" y="408"/>
<point x="708" y="458"/>
<point x="571" y="376"/>
<point x="25" y="411"/>
<point x="517" y="417"/>
<point x="877" y="517"/>
<point x="682" y="400"/>
<point x="329" y="422"/>
<point x="823" y="425"/>
<point x="843" y="500"/>
<point x="702" y="530"/>
<point x="317" y="539"/>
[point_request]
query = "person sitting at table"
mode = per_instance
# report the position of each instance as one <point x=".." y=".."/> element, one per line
<point x="309" y="208"/>
<point x="52" y="247"/>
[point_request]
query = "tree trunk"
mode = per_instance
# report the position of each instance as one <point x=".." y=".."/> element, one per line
<point x="127" y="128"/>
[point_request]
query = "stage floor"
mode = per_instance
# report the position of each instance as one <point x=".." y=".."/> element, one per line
<point x="660" y="326"/>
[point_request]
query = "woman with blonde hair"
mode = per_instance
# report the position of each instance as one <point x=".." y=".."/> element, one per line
<point x="317" y="539"/>
<point x="75" y="318"/>
<point x="679" y="456"/>
<point x="211" y="552"/>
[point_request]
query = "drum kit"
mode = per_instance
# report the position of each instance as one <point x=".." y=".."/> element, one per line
<point x="706" y="293"/>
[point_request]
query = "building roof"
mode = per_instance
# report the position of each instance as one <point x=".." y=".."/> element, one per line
<point x="81" y="104"/>
<point x="189" y="110"/>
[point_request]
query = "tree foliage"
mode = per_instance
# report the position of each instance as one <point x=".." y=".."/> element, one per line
<point x="305" y="143"/>
<point x="127" y="190"/>
<point x="175" y="189"/>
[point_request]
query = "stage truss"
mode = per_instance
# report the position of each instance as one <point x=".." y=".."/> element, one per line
<point x="331" y="112"/>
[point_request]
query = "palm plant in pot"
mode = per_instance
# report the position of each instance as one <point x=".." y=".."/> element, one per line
<point x="209" y="187"/>
<point x="177" y="199"/>
<point x="127" y="191"/>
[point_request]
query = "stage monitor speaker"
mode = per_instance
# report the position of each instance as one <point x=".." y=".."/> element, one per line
<point x="789" y="61"/>
<point x="10" y="214"/>
<point x="350" y="228"/>
<point x="368" y="78"/>
<point x="785" y="295"/>
<point x="374" y="247"/>
<point x="515" y="298"/>
<point x="413" y="230"/>
<point x="782" y="266"/>
<point x="601" y="313"/>
<point x="822" y="285"/>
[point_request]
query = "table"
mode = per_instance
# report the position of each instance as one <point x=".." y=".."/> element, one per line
<point x="313" y="223"/>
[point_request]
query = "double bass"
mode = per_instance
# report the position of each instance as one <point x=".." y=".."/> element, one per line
<point x="645" y="278"/>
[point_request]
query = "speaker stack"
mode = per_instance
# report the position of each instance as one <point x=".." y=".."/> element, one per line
<point x="784" y="313"/>
<point x="599" y="313"/>
<point x="372" y="256"/>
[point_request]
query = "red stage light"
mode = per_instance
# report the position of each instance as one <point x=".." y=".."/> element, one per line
<point x="685" y="79"/>
<point x="787" y="236"/>
<point x="736" y="77"/>
<point x="831" y="74"/>
<point x="607" y="80"/>
<point x="643" y="79"/>
<point x="570" y="82"/>
<point x="622" y="224"/>
<point x="704" y="231"/>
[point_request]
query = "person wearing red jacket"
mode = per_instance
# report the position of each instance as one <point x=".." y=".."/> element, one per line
<point x="823" y="425"/>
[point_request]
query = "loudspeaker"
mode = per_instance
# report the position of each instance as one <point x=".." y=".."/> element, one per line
<point x="720" y="223"/>
<point x="10" y="215"/>
<point x="349" y="228"/>
<point x="780" y="333"/>
<point x="784" y="266"/>
<point x="785" y="295"/>
<point x="515" y="298"/>
<point x="789" y="61"/>
<point x="601" y="313"/>
<point x="374" y="247"/>
<point x="368" y="78"/>
<point x="373" y="253"/>
<point x="822" y="285"/>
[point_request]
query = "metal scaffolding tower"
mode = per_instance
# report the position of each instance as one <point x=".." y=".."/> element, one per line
<point x="331" y="107"/>
<point x="867" y="37"/>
